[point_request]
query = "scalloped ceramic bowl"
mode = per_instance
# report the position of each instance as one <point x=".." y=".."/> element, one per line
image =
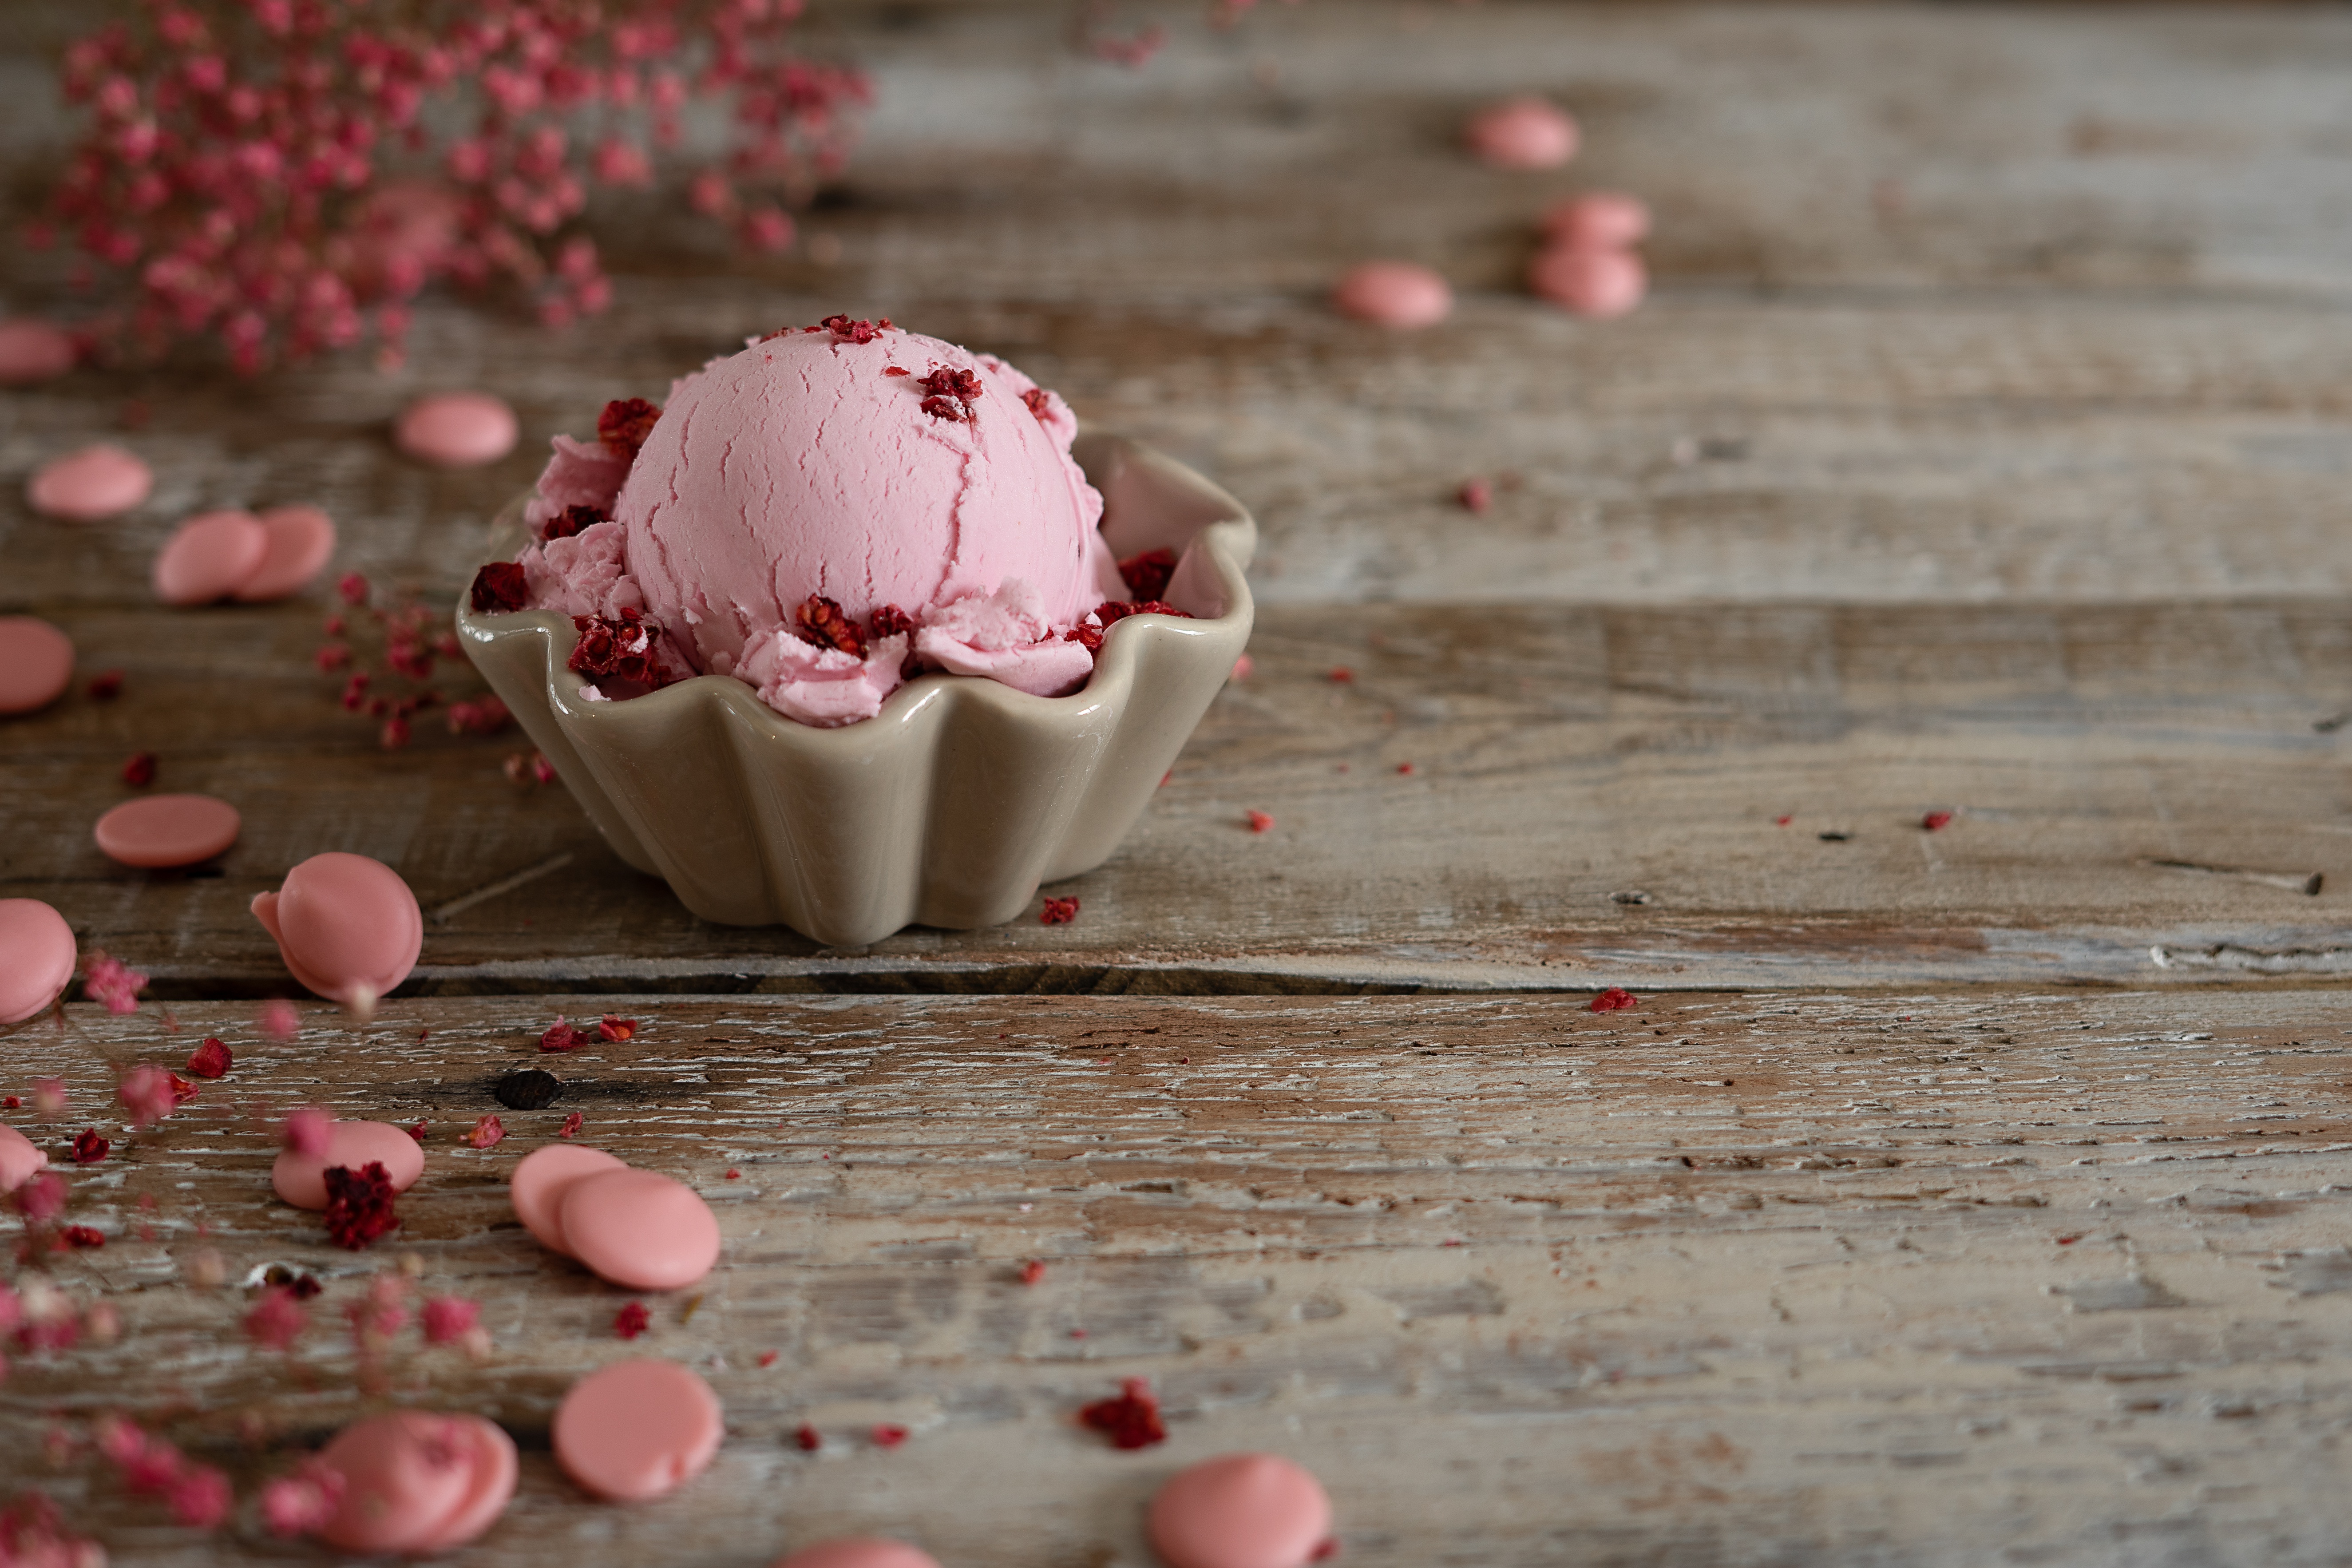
<point x="950" y="806"/>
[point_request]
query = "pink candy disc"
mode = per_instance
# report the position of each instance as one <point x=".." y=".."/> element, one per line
<point x="639" y="1229"/>
<point x="1521" y="133"/>
<point x="1241" y="1511"/>
<point x="345" y="925"/>
<point x="20" y="1158"/>
<point x="34" y="350"/>
<point x="1601" y="283"/>
<point x="302" y="1179"/>
<point x="636" y="1429"/>
<point x="1394" y="294"/>
<point x="457" y="429"/>
<point x="35" y="664"/>
<point x="543" y="1176"/>
<point x="209" y="557"/>
<point x="407" y="1477"/>
<point x="496" y="1467"/>
<point x="37" y="958"/>
<point x="95" y="483"/>
<point x="300" y="538"/>
<point x="167" y="830"/>
<point x="1604" y="220"/>
<point x="864" y="1551"/>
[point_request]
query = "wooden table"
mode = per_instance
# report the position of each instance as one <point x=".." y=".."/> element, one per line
<point x="1954" y="1198"/>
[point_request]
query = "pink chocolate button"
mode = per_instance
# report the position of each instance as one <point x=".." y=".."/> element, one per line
<point x="405" y="1476"/>
<point x="345" y="924"/>
<point x="639" y="1229"/>
<point x="862" y="1552"/>
<point x="20" y="1158"/>
<point x="495" y="1468"/>
<point x="166" y="830"/>
<point x="36" y="957"/>
<point x="35" y="664"/>
<point x="636" y="1429"/>
<point x="1599" y="283"/>
<point x="1394" y="294"/>
<point x="209" y="557"/>
<point x="301" y="537"/>
<point x="1522" y="133"/>
<point x="457" y="429"/>
<point x="35" y="350"/>
<point x="1605" y="220"/>
<point x="302" y="1179"/>
<point x="543" y="1176"/>
<point x="95" y="483"/>
<point x="1241" y="1511"/>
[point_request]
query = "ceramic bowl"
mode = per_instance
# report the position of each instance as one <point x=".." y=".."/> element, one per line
<point x="950" y="806"/>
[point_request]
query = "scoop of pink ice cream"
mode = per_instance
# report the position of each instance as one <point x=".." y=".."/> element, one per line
<point x="871" y="473"/>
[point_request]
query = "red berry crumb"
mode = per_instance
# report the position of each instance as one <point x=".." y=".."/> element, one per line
<point x="946" y="408"/>
<point x="105" y="686"/>
<point x="499" y="588"/>
<point x="1341" y="675"/>
<point x="487" y="1134"/>
<point x="632" y="1320"/>
<point x="211" y="1059"/>
<point x="889" y="621"/>
<point x="1130" y="1421"/>
<point x="1089" y="634"/>
<point x="542" y="770"/>
<point x="1404" y="767"/>
<point x="1325" y="1550"/>
<point x="418" y="1131"/>
<point x="1936" y="819"/>
<point x="352" y="587"/>
<point x="1032" y="1271"/>
<point x="1259" y="821"/>
<point x="896" y="370"/>
<point x="562" y="1037"/>
<point x="139" y="771"/>
<point x="1476" y="495"/>
<point x="83" y="1235"/>
<point x="88" y="1148"/>
<point x="571" y="521"/>
<point x="768" y="1358"/>
<point x="887" y="1435"/>
<point x="1059" y="911"/>
<point x="822" y="621"/>
<point x="1040" y="402"/>
<point x="570" y="1128"/>
<point x="960" y="385"/>
<point x="1616" y="999"/>
<point x="621" y="645"/>
<point x="359" y="1205"/>
<point x="1782" y="821"/>
<point x="808" y="1438"/>
<point x="1146" y="575"/>
<point x="845" y="331"/>
<point x="625" y="424"/>
<point x="616" y="1029"/>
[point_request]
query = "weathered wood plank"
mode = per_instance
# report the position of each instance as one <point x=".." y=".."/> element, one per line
<point x="1715" y="1280"/>
<point x="1562" y="757"/>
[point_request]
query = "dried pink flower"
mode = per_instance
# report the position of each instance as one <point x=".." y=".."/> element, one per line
<point x="277" y="1320"/>
<point x="449" y="1317"/>
<point x="110" y="980"/>
<point x="303" y="1501"/>
<point x="304" y="1131"/>
<point x="278" y="1019"/>
<point x="147" y="1093"/>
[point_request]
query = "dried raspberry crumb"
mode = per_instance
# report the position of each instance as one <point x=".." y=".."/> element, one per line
<point x="418" y="1131"/>
<point x="1782" y="821"/>
<point x="278" y="1019"/>
<point x="1616" y="999"/>
<point x="946" y="408"/>
<point x="890" y="621"/>
<point x="499" y="588"/>
<point x="487" y="1134"/>
<point x="1032" y="1271"/>
<point x="542" y="770"/>
<point x="570" y="1128"/>
<point x="1146" y="575"/>
<point x="1040" y="402"/>
<point x="88" y="1148"/>
<point x="896" y="370"/>
<point x="1325" y="1550"/>
<point x="625" y="424"/>
<point x="1259" y="821"/>
<point x="356" y="691"/>
<point x="887" y="1435"/>
<point x="1404" y="767"/>
<point x="485" y="716"/>
<point x="1131" y="1420"/>
<point x="1089" y="632"/>
<point x="352" y="587"/>
<point x="11" y="1103"/>
<point x="359" y="1205"/>
<point x="616" y="1029"/>
<point x="571" y="521"/>
<point x="808" y="1438"/>
<point x="632" y="1320"/>
<point x="733" y="1174"/>
<point x="331" y="657"/>
<point x="1059" y="911"/>
<point x="83" y="1235"/>
<point x="395" y="733"/>
<point x="845" y="331"/>
<point x="139" y="771"/>
<point x="620" y="646"/>
<point x="41" y="1197"/>
<point x="1935" y="820"/>
<point x="822" y="621"/>
<point x="1340" y="674"/>
<point x="960" y="385"/>
<point x="1475" y="495"/>
<point x="105" y="686"/>
<point x="768" y="1358"/>
<point x="562" y="1037"/>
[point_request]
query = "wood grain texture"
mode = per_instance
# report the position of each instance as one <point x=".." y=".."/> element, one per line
<point x="1830" y="1279"/>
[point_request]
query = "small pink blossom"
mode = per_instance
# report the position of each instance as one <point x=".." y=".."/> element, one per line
<point x="303" y="1501"/>
<point x="201" y="1498"/>
<point x="42" y="1198"/>
<point x="279" y="1020"/>
<point x="49" y="1097"/>
<point x="305" y="1131"/>
<point x="449" y="1317"/>
<point x="277" y="1320"/>
<point x="147" y="1093"/>
<point x="110" y="980"/>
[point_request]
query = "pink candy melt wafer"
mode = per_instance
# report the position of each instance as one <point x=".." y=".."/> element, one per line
<point x="457" y="429"/>
<point x="95" y="483"/>
<point x="407" y="1477"/>
<point x="302" y="1179"/>
<point x="1598" y="283"/>
<point x="1604" y="220"/>
<point x="1521" y="133"/>
<point x="35" y="350"/>
<point x="209" y="557"/>
<point x="865" y="1551"/>
<point x="37" y="958"/>
<point x="495" y="1469"/>
<point x="167" y="830"/>
<point x="637" y="1430"/>
<point x="301" y="539"/>
<point x="543" y="1176"/>
<point x="36" y="664"/>
<point x="1241" y="1511"/>
<point x="347" y="926"/>
<point x="1394" y="294"/>
<point x="639" y="1229"/>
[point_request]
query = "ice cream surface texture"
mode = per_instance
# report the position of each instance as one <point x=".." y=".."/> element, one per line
<point x="828" y="511"/>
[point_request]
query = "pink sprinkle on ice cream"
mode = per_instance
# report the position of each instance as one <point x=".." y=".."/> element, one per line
<point x="35" y="664"/>
<point x="95" y="483"/>
<point x="34" y="350"/>
<point x="1393" y="294"/>
<point x="1521" y="133"/>
<point x="457" y="429"/>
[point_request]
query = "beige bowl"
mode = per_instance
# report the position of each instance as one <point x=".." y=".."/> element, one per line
<point x="950" y="806"/>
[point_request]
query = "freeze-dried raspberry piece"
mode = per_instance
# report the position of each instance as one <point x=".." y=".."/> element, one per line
<point x="1090" y="635"/>
<point x="632" y="1320"/>
<point x="845" y="331"/>
<point x="359" y="1205"/>
<point x="625" y="424"/>
<point x="1146" y="575"/>
<point x="211" y="1059"/>
<point x="889" y="621"/>
<point x="1616" y="999"/>
<point x="621" y="645"/>
<point x="571" y="521"/>
<point x="1131" y="1420"/>
<point x="499" y="589"/>
<point x="1059" y="911"/>
<point x="822" y="621"/>
<point x="946" y="408"/>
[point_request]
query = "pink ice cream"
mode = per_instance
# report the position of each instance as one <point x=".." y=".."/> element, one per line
<point x="830" y="510"/>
